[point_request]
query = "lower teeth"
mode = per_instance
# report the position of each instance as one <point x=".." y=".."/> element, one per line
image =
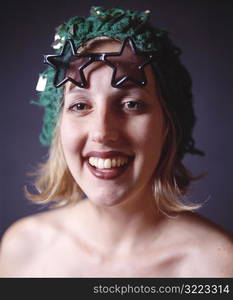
<point x="107" y="168"/>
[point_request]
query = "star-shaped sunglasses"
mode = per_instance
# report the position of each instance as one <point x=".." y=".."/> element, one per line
<point x="128" y="64"/>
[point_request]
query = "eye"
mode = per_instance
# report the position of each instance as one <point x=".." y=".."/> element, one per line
<point x="133" y="105"/>
<point x="81" y="106"/>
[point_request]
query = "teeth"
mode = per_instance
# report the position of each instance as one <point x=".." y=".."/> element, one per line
<point x="118" y="162"/>
<point x="100" y="164"/>
<point x="114" y="162"/>
<point x="108" y="163"/>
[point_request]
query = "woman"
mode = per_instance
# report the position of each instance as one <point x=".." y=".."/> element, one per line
<point x="119" y="118"/>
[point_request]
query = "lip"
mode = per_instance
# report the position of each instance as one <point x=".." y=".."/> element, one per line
<point x="108" y="173"/>
<point x="112" y="173"/>
<point x="107" y="154"/>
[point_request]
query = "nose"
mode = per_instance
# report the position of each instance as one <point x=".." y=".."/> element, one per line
<point x="104" y="127"/>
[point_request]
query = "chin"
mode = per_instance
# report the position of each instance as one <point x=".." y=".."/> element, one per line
<point x="107" y="199"/>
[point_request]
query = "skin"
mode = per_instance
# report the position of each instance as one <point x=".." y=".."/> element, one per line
<point x="117" y="231"/>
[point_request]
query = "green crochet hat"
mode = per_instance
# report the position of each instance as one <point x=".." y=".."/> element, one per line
<point x="173" y="78"/>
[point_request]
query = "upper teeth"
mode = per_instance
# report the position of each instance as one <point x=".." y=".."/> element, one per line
<point x="108" y="163"/>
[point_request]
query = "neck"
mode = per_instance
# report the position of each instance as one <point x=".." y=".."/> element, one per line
<point x="121" y="228"/>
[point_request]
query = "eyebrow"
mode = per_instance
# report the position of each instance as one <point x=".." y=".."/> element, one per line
<point x="130" y="88"/>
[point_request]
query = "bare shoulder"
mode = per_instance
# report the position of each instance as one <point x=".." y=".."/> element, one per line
<point x="24" y="240"/>
<point x="209" y="245"/>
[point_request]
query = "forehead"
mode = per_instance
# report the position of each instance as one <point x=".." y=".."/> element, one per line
<point x="102" y="44"/>
<point x="98" y="78"/>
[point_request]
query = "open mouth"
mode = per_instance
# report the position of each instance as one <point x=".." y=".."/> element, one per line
<point x="108" y="168"/>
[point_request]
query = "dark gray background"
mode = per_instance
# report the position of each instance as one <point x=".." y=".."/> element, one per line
<point x="203" y="29"/>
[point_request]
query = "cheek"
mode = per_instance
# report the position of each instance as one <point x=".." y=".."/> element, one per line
<point x="70" y="136"/>
<point x="147" y="132"/>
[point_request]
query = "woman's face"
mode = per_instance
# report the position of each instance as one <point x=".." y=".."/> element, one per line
<point x="112" y="138"/>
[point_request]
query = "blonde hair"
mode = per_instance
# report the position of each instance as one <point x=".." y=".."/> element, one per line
<point x="56" y="186"/>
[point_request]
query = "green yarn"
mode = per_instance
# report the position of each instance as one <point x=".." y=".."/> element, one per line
<point x="50" y="99"/>
<point x="171" y="75"/>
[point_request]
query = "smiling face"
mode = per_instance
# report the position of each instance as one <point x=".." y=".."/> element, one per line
<point x="112" y="138"/>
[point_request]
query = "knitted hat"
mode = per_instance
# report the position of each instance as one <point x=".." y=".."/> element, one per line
<point x="173" y="78"/>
